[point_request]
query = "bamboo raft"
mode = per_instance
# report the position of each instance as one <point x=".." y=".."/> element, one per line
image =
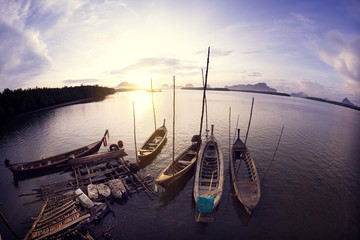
<point x="59" y="217"/>
<point x="97" y="174"/>
<point x="62" y="215"/>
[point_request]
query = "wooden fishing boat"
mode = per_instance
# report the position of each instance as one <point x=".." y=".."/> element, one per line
<point x="244" y="176"/>
<point x="45" y="165"/>
<point x="181" y="165"/>
<point x="209" y="179"/>
<point x="153" y="144"/>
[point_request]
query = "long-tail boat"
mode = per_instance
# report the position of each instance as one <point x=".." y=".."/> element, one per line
<point x="153" y="144"/>
<point x="244" y="176"/>
<point x="43" y="166"/>
<point x="209" y="179"/>
<point x="181" y="165"/>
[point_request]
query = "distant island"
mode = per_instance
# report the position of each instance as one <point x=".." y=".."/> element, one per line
<point x="262" y="88"/>
<point x="254" y="88"/>
<point x="259" y="87"/>
<point x="344" y="103"/>
<point x="126" y="86"/>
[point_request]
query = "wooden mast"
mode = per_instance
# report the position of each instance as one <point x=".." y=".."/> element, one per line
<point x="152" y="97"/>
<point x="136" y="155"/>
<point x="247" y="132"/>
<point x="204" y="94"/>
<point x="173" y="146"/>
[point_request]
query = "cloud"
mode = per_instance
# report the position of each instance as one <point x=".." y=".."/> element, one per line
<point x="215" y="52"/>
<point x="252" y="52"/>
<point x="342" y="52"/>
<point x="23" y="55"/>
<point x="160" y="65"/>
<point x="80" y="81"/>
<point x="255" y="74"/>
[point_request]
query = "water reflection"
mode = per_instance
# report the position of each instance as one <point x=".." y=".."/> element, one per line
<point x="170" y="193"/>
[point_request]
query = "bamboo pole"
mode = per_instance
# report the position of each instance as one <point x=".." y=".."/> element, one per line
<point x="229" y="132"/>
<point x="251" y="111"/>
<point x="152" y="97"/>
<point x="173" y="154"/>
<point x="282" y="129"/>
<point x="134" y="132"/>
<point x="206" y="114"/>
<point x="237" y="124"/>
<point x="204" y="94"/>
<point x="9" y="226"/>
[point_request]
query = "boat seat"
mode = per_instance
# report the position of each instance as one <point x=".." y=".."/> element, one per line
<point x="183" y="162"/>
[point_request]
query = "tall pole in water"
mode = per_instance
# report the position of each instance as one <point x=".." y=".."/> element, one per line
<point x="173" y="154"/>
<point x="247" y="132"/>
<point x="135" y="132"/>
<point x="152" y="97"/>
<point x="204" y="94"/>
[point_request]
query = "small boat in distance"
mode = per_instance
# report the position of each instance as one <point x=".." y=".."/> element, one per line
<point x="244" y="176"/>
<point x="43" y="166"/>
<point x="209" y="179"/>
<point x="154" y="90"/>
<point x="181" y="165"/>
<point x="153" y="144"/>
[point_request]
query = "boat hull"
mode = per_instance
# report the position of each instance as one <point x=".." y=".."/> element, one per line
<point x="51" y="164"/>
<point x="182" y="165"/>
<point x="244" y="176"/>
<point x="209" y="176"/>
<point x="153" y="145"/>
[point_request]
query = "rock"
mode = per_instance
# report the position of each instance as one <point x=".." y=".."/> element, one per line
<point x="103" y="190"/>
<point x="92" y="191"/>
<point x="117" y="187"/>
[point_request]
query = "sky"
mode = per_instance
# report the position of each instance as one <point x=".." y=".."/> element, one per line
<point x="309" y="46"/>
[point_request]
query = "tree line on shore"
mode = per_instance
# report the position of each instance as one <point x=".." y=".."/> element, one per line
<point x="14" y="102"/>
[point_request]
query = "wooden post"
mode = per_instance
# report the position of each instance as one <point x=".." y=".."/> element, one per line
<point x="247" y="132"/>
<point x="173" y="155"/>
<point x="206" y="116"/>
<point x="152" y="97"/>
<point x="9" y="226"/>
<point x="229" y="132"/>
<point x="237" y="124"/>
<point x="204" y="94"/>
<point x="135" y="132"/>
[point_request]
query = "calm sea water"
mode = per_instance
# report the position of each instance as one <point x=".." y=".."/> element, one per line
<point x="312" y="190"/>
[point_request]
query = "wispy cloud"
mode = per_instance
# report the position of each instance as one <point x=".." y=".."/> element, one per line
<point x="160" y="65"/>
<point x="342" y="52"/>
<point x="216" y="52"/>
<point x="255" y="74"/>
<point x="23" y="54"/>
<point x="80" y="81"/>
<point x="253" y="52"/>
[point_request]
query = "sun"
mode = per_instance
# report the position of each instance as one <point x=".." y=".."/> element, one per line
<point x="139" y="77"/>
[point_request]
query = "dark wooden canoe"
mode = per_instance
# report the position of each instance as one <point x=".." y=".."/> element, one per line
<point x="153" y="144"/>
<point x="244" y="176"/>
<point x="209" y="176"/>
<point x="43" y="166"/>
<point x="181" y="165"/>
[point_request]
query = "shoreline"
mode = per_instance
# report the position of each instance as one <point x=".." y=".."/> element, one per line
<point x="278" y="94"/>
<point x="86" y="100"/>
